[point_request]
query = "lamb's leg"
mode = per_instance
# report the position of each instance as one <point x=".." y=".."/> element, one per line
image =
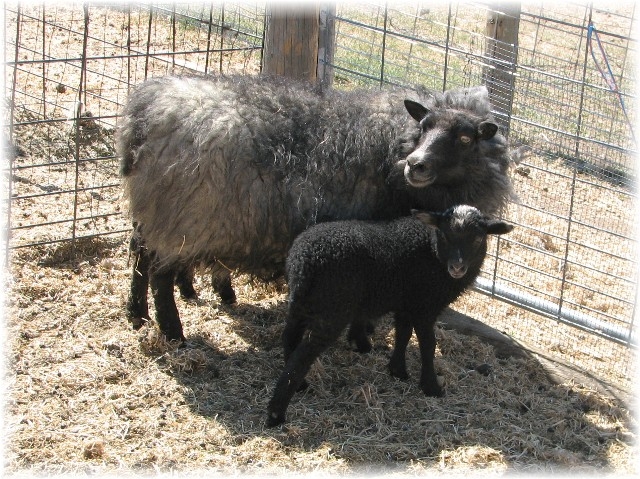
<point x="221" y="282"/>
<point x="427" y="341"/>
<point x="297" y="367"/>
<point x="292" y="335"/>
<point x="398" y="363"/>
<point x="137" y="303"/>
<point x="358" y="335"/>
<point x="166" y="310"/>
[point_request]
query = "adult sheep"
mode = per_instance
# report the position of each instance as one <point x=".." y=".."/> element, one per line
<point x="228" y="170"/>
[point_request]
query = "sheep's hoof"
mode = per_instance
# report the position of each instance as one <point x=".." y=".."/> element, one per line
<point x="358" y="340"/>
<point x="224" y="289"/>
<point x="137" y="311"/>
<point x="398" y="372"/>
<point x="137" y="322"/>
<point x="433" y="390"/>
<point x="188" y="293"/>
<point x="362" y="347"/>
<point x="370" y="328"/>
<point x="274" y="419"/>
<point x="303" y="385"/>
<point x="174" y="336"/>
<point x="228" y="299"/>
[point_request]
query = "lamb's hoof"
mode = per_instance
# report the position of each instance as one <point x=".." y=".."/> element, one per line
<point x="274" y="419"/>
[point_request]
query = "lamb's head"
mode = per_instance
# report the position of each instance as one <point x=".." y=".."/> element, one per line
<point x="450" y="144"/>
<point x="461" y="236"/>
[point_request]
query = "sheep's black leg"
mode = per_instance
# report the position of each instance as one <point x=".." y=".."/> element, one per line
<point x="221" y="282"/>
<point x="427" y="341"/>
<point x="292" y="335"/>
<point x="398" y="363"/>
<point x="166" y="310"/>
<point x="358" y="334"/>
<point x="184" y="280"/>
<point x="297" y="367"/>
<point x="137" y="303"/>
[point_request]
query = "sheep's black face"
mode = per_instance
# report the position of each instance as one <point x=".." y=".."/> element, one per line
<point x="447" y="147"/>
<point x="459" y="255"/>
<point x="461" y="236"/>
<point x="461" y="249"/>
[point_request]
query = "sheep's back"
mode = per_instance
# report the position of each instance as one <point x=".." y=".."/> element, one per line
<point x="234" y="169"/>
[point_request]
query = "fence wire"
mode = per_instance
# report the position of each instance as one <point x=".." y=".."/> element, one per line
<point x="571" y="101"/>
<point x="68" y="72"/>
<point x="573" y="256"/>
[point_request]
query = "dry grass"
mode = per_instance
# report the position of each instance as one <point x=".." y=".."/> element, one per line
<point x="89" y="395"/>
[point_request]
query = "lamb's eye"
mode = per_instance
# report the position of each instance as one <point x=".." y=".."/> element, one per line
<point x="465" y="139"/>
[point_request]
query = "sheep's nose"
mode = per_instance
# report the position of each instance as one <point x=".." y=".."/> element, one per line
<point x="417" y="171"/>
<point x="418" y="167"/>
<point x="416" y="164"/>
<point x="457" y="270"/>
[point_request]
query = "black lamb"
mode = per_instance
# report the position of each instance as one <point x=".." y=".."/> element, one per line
<point x="347" y="272"/>
<point x="226" y="171"/>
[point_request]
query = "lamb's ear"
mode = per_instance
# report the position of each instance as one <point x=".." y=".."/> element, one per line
<point x="487" y="130"/>
<point x="426" y="218"/>
<point x="416" y="110"/>
<point x="497" y="227"/>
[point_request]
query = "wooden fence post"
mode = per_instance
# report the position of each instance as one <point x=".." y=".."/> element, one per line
<point x="291" y="40"/>
<point x="503" y="22"/>
<point x="326" y="43"/>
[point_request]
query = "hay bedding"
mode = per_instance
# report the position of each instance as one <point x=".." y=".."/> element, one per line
<point x="89" y="395"/>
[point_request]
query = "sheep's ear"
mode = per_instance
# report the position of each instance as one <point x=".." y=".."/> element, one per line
<point x="487" y="130"/>
<point x="416" y="110"/>
<point x="426" y="218"/>
<point x="497" y="227"/>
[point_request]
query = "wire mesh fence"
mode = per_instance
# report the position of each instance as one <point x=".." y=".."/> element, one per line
<point x="571" y="101"/>
<point x="68" y="73"/>
<point x="68" y="70"/>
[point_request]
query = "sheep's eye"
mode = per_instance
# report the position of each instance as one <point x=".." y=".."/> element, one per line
<point x="465" y="139"/>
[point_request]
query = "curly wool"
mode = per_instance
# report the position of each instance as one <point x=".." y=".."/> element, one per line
<point x="233" y="168"/>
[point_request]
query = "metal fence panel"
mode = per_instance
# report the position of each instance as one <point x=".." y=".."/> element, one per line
<point x="68" y="72"/>
<point x="573" y="257"/>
